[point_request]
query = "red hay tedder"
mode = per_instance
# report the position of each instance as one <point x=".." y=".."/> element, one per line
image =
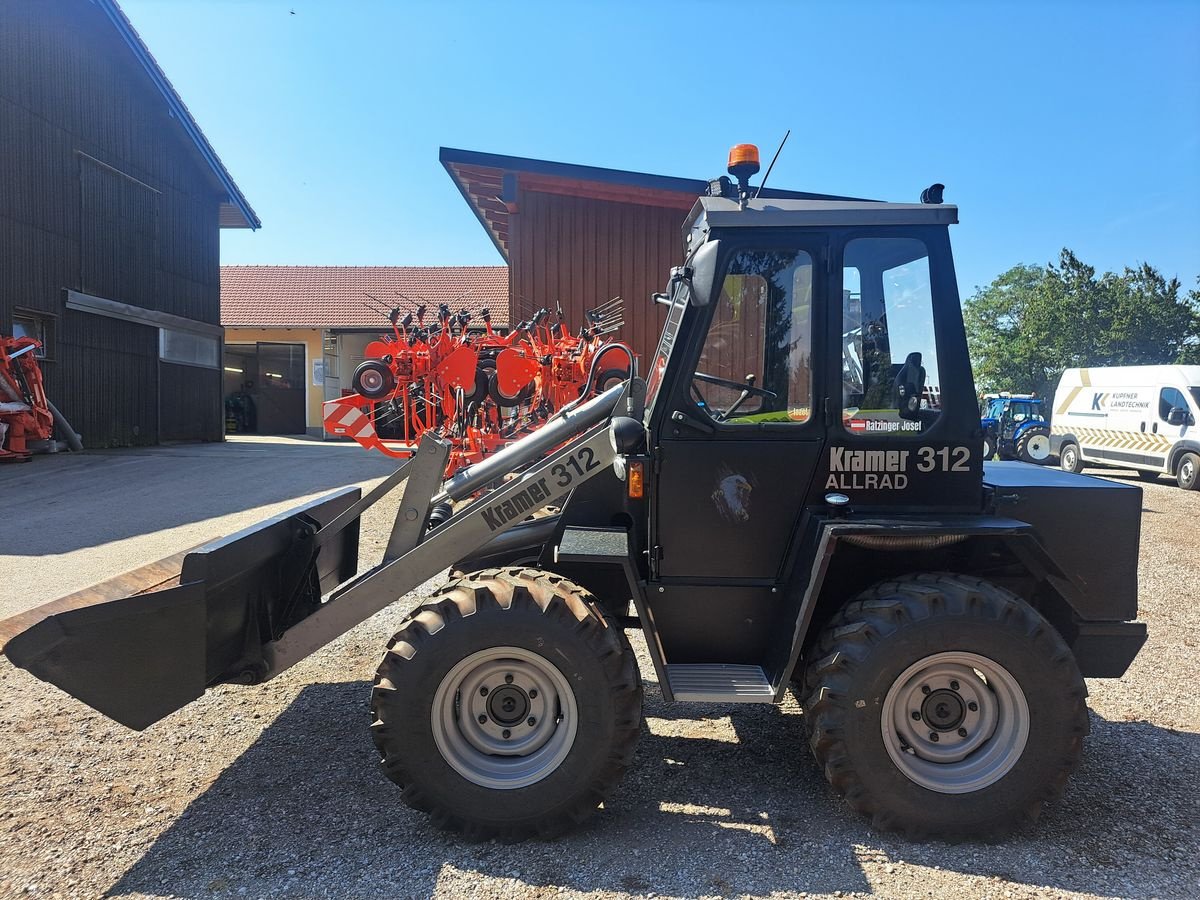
<point x="24" y="410"/>
<point x="480" y="390"/>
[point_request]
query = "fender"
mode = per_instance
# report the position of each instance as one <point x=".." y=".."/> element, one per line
<point x="1181" y="447"/>
<point x="1121" y="641"/>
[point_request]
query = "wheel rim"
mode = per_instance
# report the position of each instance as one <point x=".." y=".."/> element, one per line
<point x="482" y="712"/>
<point x="371" y="381"/>
<point x="1188" y="470"/>
<point x="1038" y="447"/>
<point x="1068" y="458"/>
<point x="955" y="722"/>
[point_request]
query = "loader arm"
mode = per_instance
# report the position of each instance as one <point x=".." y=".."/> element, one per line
<point x="247" y="607"/>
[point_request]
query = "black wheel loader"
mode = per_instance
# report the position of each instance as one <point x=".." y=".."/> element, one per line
<point x="792" y="498"/>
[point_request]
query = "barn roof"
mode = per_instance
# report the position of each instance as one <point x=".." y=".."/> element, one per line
<point x="341" y="296"/>
<point x="235" y="211"/>
<point x="489" y="182"/>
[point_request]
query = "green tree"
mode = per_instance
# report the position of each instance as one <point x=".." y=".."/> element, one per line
<point x="1034" y="321"/>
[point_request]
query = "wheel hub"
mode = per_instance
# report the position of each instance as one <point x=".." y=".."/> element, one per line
<point x="943" y="710"/>
<point x="508" y="705"/>
<point x="955" y="722"/>
<point x="504" y="718"/>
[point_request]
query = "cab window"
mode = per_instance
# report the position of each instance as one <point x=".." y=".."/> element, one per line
<point x="890" y="379"/>
<point x="1169" y="399"/>
<point x="756" y="364"/>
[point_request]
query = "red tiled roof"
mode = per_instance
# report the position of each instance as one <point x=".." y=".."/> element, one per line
<point x="336" y="296"/>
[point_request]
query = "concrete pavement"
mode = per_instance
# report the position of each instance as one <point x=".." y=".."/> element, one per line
<point x="70" y="520"/>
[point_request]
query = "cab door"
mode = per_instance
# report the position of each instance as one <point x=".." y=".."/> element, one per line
<point x="739" y="435"/>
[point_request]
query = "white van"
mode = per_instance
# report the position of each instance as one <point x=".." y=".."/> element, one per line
<point x="1131" y="417"/>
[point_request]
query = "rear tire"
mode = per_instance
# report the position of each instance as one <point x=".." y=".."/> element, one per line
<point x="471" y="670"/>
<point x="1069" y="459"/>
<point x="1188" y="472"/>
<point x="879" y="664"/>
<point x="1033" y="446"/>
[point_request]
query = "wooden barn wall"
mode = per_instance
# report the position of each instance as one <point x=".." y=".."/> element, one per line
<point x="189" y="397"/>
<point x="100" y="192"/>
<point x="580" y="252"/>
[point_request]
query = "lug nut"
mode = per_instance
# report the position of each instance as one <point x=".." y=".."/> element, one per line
<point x="916" y="715"/>
<point x="506" y="734"/>
<point x="962" y="732"/>
<point x="933" y="736"/>
<point x="954" y="685"/>
<point x="508" y="679"/>
<point x="533" y="693"/>
<point x="924" y="689"/>
<point x="973" y="706"/>
<point x="483" y="692"/>
<point x="532" y="721"/>
<point x="482" y="719"/>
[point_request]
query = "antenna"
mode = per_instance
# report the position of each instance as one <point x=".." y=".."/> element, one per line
<point x="762" y="183"/>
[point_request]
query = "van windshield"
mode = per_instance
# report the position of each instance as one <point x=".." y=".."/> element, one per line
<point x="1195" y="396"/>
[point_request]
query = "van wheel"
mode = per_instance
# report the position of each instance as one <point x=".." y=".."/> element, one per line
<point x="1188" y="473"/>
<point x="969" y="740"/>
<point x="507" y="706"/>
<point x="1069" y="459"/>
<point x="1033" y="446"/>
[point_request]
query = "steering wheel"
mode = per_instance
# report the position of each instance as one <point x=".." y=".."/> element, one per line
<point x="747" y="388"/>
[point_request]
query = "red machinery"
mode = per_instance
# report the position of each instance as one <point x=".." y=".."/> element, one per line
<point x="24" y="410"/>
<point x="478" y="390"/>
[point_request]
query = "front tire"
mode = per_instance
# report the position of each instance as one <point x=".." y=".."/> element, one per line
<point x="1069" y="459"/>
<point x="944" y="705"/>
<point x="989" y="449"/>
<point x="1188" y="473"/>
<point x="507" y="706"/>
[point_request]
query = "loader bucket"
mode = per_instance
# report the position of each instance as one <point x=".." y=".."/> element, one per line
<point x="141" y="645"/>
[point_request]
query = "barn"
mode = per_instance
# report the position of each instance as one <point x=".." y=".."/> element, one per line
<point x="111" y="205"/>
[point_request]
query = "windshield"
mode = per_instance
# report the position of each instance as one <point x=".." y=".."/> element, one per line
<point x="1196" y="395"/>
<point x="995" y="408"/>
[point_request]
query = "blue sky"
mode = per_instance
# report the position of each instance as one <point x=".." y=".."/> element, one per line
<point x="1052" y="124"/>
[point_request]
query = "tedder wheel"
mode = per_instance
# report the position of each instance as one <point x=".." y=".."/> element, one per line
<point x="943" y="705"/>
<point x="1188" y="473"/>
<point x="373" y="379"/>
<point x="1069" y="459"/>
<point x="1033" y="446"/>
<point x="507" y="705"/>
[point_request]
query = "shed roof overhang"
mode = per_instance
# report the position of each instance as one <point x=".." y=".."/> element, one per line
<point x="489" y="183"/>
<point x="235" y="210"/>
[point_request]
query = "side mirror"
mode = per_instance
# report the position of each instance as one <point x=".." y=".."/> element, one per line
<point x="1179" y="416"/>
<point x="704" y="273"/>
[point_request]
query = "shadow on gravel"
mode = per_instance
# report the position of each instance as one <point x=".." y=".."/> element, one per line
<point x="306" y="812"/>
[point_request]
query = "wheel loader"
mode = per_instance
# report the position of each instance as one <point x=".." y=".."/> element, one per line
<point x="792" y="499"/>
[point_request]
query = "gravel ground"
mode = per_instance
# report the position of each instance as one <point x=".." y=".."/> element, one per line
<point x="274" y="791"/>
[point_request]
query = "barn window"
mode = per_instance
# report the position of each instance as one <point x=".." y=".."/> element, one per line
<point x="188" y="348"/>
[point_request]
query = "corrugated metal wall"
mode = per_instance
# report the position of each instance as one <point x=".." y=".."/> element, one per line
<point x="581" y="252"/>
<point x="74" y="107"/>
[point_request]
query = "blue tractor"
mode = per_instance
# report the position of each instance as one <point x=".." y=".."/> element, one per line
<point x="1015" y="427"/>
